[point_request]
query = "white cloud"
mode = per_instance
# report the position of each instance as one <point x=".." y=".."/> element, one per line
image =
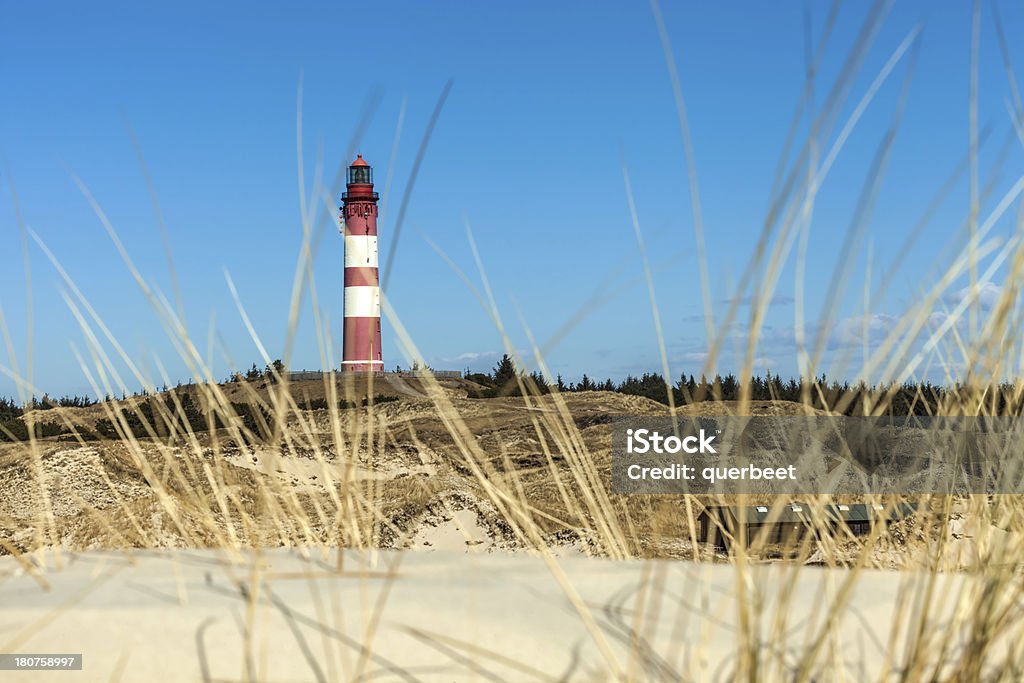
<point x="988" y="295"/>
<point x="477" y="360"/>
<point x="853" y="331"/>
<point x="471" y="356"/>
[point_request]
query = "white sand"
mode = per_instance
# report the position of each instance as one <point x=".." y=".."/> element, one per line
<point x="182" y="616"/>
<point x="311" y="474"/>
<point x="460" y="533"/>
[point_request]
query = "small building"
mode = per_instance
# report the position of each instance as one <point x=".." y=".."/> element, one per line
<point x="438" y="374"/>
<point x="305" y="375"/>
<point x="788" y="525"/>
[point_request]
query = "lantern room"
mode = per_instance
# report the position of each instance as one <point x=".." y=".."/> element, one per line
<point x="360" y="172"/>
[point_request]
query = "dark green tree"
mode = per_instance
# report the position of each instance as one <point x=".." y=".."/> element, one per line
<point x="274" y="370"/>
<point x="504" y="372"/>
<point x="253" y="374"/>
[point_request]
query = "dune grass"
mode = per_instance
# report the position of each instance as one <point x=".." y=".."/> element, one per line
<point x="176" y="485"/>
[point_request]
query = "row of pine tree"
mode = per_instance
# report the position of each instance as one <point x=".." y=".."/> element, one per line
<point x="504" y="379"/>
<point x="922" y="398"/>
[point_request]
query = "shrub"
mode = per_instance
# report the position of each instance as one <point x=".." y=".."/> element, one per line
<point x="15" y="429"/>
<point x="379" y="398"/>
<point x="322" y="404"/>
<point x="148" y="418"/>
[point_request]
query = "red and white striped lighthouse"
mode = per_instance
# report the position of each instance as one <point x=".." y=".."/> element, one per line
<point x="361" y="344"/>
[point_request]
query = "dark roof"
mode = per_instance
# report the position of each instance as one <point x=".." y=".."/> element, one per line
<point x="799" y="513"/>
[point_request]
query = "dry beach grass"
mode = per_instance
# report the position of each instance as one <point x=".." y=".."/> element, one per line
<point x="214" y="554"/>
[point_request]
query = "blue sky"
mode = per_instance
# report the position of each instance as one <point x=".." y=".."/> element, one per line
<point x="549" y="100"/>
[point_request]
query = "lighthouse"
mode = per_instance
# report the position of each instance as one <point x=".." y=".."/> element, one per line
<point x="361" y="342"/>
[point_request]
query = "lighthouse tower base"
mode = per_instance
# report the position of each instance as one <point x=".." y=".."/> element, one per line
<point x="350" y="367"/>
